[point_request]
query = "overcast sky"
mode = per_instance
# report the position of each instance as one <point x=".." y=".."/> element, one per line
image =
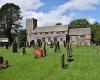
<point x="50" y="12"/>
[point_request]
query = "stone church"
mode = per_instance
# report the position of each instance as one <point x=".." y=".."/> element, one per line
<point x="78" y="36"/>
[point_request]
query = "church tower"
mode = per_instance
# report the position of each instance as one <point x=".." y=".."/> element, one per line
<point x="31" y="24"/>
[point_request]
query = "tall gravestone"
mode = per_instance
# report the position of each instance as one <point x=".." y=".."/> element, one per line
<point x="44" y="48"/>
<point x="64" y="43"/>
<point x="39" y="42"/>
<point x="63" y="64"/>
<point x="58" y="45"/>
<point x="7" y="45"/>
<point x="55" y="46"/>
<point x="23" y="50"/>
<point x="14" y="47"/>
<point x="68" y="47"/>
<point x="62" y="60"/>
<point x="19" y="45"/>
<point x="51" y="44"/>
<point x="2" y="44"/>
<point x="1" y="60"/>
<point x="6" y="63"/>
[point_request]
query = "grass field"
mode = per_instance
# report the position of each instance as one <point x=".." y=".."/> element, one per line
<point x="86" y="65"/>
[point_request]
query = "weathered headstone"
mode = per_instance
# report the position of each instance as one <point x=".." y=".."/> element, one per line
<point x="5" y="64"/>
<point x="64" y="43"/>
<point x="32" y="44"/>
<point x="55" y="46"/>
<point x="70" y="50"/>
<point x="58" y="46"/>
<point x="23" y="51"/>
<point x="1" y="60"/>
<point x="68" y="47"/>
<point x="62" y="60"/>
<point x="7" y="45"/>
<point x="2" y="44"/>
<point x="44" y="48"/>
<point x="51" y="44"/>
<point x="39" y="42"/>
<point x="14" y="47"/>
<point x="68" y="56"/>
<point x="19" y="45"/>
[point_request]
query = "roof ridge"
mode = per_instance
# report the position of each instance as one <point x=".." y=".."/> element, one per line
<point x="53" y="26"/>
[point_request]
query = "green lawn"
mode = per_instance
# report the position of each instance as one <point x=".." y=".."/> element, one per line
<point x="86" y="65"/>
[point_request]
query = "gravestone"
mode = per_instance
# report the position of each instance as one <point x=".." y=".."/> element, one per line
<point x="62" y="60"/>
<point x="14" y="47"/>
<point x="70" y="50"/>
<point x="7" y="45"/>
<point x="2" y="44"/>
<point x="3" y="64"/>
<point x="58" y="46"/>
<point x="1" y="60"/>
<point x="51" y="44"/>
<point x="22" y="44"/>
<point x="19" y="45"/>
<point x="69" y="54"/>
<point x="68" y="57"/>
<point x="23" y="51"/>
<point x="55" y="46"/>
<point x="32" y="44"/>
<point x="44" y="48"/>
<point x="6" y="63"/>
<point x="39" y="42"/>
<point x="64" y="43"/>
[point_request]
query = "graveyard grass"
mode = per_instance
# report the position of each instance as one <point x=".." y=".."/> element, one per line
<point x="86" y="65"/>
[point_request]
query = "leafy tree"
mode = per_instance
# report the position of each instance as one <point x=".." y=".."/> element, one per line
<point x="10" y="16"/>
<point x="79" y="23"/>
<point x="2" y="35"/>
<point x="58" y="23"/>
<point x="21" y="36"/>
<point x="95" y="32"/>
<point x="97" y="36"/>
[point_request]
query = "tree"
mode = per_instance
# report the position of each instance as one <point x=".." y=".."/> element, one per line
<point x="2" y="35"/>
<point x="79" y="23"/>
<point x="58" y="23"/>
<point x="95" y="32"/>
<point x="21" y="36"/>
<point x="10" y="16"/>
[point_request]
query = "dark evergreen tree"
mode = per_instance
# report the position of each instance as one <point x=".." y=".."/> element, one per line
<point x="10" y="16"/>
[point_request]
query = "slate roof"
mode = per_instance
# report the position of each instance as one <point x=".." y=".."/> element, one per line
<point x="51" y="28"/>
<point x="80" y="31"/>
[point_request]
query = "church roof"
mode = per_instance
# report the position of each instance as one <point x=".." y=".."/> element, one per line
<point x="51" y="28"/>
<point x="80" y="31"/>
